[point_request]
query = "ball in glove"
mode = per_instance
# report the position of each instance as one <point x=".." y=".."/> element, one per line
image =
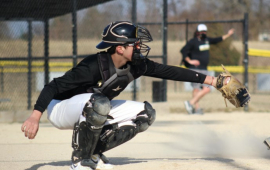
<point x="234" y="91"/>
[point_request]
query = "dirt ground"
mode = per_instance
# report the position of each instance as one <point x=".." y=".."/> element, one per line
<point x="213" y="141"/>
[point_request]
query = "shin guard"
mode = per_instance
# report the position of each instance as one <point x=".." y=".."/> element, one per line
<point x="116" y="134"/>
<point x="87" y="130"/>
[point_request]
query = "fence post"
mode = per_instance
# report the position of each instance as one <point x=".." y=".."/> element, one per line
<point x="134" y="21"/>
<point x="245" y="61"/>
<point x="186" y="30"/>
<point x="2" y="79"/>
<point x="74" y="32"/>
<point x="164" y="46"/>
<point x="46" y="52"/>
<point x="29" y="75"/>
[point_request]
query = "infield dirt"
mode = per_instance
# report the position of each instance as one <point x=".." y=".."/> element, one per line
<point x="213" y="141"/>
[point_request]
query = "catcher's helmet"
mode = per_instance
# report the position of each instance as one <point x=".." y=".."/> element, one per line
<point x="123" y="32"/>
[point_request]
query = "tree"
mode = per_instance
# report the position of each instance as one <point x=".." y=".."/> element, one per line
<point x="61" y="28"/>
<point x="88" y="27"/>
<point x="223" y="52"/>
<point x="97" y="17"/>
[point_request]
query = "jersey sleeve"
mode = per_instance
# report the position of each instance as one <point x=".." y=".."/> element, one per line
<point x="162" y="71"/>
<point x="214" y="40"/>
<point x="81" y="74"/>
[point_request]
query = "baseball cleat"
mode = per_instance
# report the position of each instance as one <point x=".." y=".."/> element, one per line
<point x="86" y="164"/>
<point x="102" y="166"/>
<point x="78" y="166"/>
<point x="97" y="161"/>
<point x="103" y="163"/>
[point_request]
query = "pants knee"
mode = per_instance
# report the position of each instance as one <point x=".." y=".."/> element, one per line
<point x="96" y="109"/>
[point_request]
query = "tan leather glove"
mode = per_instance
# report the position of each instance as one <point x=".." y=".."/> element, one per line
<point x="234" y="90"/>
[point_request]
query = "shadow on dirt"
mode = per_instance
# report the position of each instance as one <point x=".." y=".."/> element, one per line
<point x="59" y="163"/>
<point x="126" y="160"/>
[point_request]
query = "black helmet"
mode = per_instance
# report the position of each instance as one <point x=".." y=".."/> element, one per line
<point x="123" y="32"/>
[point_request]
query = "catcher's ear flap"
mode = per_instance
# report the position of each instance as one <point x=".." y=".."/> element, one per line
<point x="226" y="71"/>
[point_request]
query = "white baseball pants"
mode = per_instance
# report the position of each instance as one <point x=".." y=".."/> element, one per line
<point x="63" y="114"/>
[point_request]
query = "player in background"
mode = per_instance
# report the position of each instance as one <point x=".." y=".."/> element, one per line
<point x="195" y="56"/>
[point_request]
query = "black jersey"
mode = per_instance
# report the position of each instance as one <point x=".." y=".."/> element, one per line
<point x="87" y="74"/>
<point x="197" y="49"/>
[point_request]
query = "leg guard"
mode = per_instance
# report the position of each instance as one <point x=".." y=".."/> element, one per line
<point x="87" y="130"/>
<point x="116" y="134"/>
<point x="145" y="118"/>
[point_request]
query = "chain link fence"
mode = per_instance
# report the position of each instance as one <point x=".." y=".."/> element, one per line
<point x="21" y="84"/>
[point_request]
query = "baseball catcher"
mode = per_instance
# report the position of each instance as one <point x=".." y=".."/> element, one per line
<point x="82" y="99"/>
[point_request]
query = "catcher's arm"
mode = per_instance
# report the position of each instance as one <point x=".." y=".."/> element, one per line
<point x="232" y="89"/>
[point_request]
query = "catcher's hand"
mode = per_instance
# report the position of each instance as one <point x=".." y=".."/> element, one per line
<point x="234" y="91"/>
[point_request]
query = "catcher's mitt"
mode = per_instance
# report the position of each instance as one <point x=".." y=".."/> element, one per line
<point x="234" y="91"/>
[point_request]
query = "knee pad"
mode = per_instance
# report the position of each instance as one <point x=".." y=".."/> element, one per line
<point x="96" y="109"/>
<point x="145" y="118"/>
<point x="151" y="112"/>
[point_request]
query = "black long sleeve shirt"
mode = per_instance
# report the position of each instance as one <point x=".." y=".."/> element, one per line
<point x="86" y="74"/>
<point x="197" y="49"/>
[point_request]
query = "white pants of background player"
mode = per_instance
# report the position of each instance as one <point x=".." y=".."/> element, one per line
<point x="63" y="114"/>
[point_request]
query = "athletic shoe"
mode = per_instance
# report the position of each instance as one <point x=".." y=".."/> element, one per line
<point x="103" y="162"/>
<point x="199" y="111"/>
<point x="97" y="161"/>
<point x="189" y="107"/>
<point x="78" y="166"/>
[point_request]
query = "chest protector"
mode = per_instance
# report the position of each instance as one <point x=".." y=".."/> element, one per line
<point x="114" y="80"/>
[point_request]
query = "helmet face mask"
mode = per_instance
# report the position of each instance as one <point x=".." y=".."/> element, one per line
<point x="143" y="34"/>
<point x="138" y="49"/>
<point x="125" y="33"/>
